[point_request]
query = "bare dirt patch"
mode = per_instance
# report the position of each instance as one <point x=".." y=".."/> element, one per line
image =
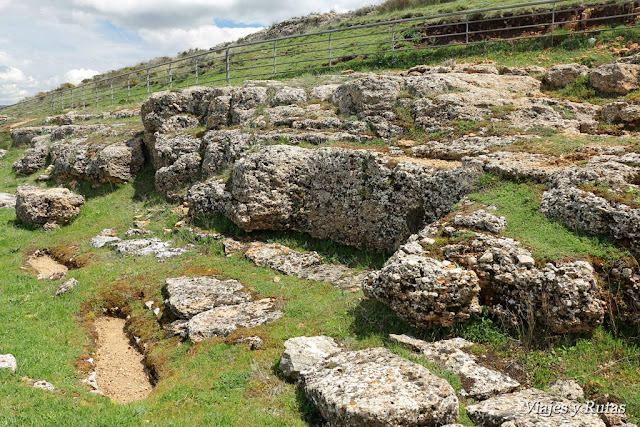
<point x="47" y="267"/>
<point x="120" y="369"/>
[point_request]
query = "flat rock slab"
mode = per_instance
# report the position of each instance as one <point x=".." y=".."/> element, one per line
<point x="305" y="265"/>
<point x="143" y="247"/>
<point x="101" y="241"/>
<point x="189" y="296"/>
<point x="532" y="407"/>
<point x="301" y="354"/>
<point x="374" y="387"/>
<point x="7" y="201"/>
<point x="221" y="321"/>
<point x="478" y="382"/>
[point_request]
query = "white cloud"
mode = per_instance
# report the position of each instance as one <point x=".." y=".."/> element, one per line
<point x="76" y="75"/>
<point x="202" y="37"/>
<point x="14" y="84"/>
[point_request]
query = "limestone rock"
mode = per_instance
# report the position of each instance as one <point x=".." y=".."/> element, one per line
<point x="564" y="74"/>
<point x="424" y="291"/>
<point x="461" y="147"/>
<point x="480" y="220"/>
<point x="32" y="160"/>
<point x="7" y="201"/>
<point x="44" y="385"/>
<point x="615" y="78"/>
<point x="223" y="148"/>
<point x="188" y="296"/>
<point x="479" y="382"/>
<point x="8" y="361"/>
<point x="222" y="320"/>
<point x="375" y="387"/>
<point x="528" y="408"/>
<point x="289" y="95"/>
<point x="620" y="112"/>
<point x="302" y="354"/>
<point x="55" y="206"/>
<point x="569" y="389"/>
<point x="317" y="191"/>
<point x="143" y="247"/>
<point x="66" y="287"/>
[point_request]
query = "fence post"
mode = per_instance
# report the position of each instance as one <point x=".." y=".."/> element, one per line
<point x="330" y="53"/>
<point x="71" y="98"/>
<point x="275" y="65"/>
<point x="111" y="86"/>
<point x="84" y="102"/>
<point x="170" y="77"/>
<point x="53" y="103"/>
<point x="466" y="31"/>
<point x="62" y="100"/>
<point x="227" y="62"/>
<point x="553" y="21"/>
<point x="128" y="87"/>
<point x="196" y="70"/>
<point x="96" y="94"/>
<point x="148" y="92"/>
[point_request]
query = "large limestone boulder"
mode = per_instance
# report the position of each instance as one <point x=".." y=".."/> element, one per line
<point x="302" y="354"/>
<point x="424" y="291"/>
<point x="355" y="197"/>
<point x="615" y="78"/>
<point x="564" y="74"/>
<point x="188" y="296"/>
<point x="620" y="112"/>
<point x="223" y="147"/>
<point x="24" y="136"/>
<point x="47" y="207"/>
<point x="532" y="407"/>
<point x="374" y="387"/>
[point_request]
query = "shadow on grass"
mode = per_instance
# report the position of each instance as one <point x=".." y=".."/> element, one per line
<point x="332" y="252"/>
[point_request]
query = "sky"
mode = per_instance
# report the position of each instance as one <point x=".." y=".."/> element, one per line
<point x="44" y="43"/>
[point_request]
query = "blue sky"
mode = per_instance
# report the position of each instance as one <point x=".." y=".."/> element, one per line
<point x="46" y="43"/>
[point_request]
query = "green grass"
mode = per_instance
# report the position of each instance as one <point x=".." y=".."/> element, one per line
<point x="519" y="203"/>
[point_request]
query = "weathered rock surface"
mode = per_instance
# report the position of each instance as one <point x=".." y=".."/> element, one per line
<point x="375" y="387"/>
<point x="317" y="191"/>
<point x="143" y="247"/>
<point x="8" y="361"/>
<point x="424" y="291"/>
<point x="33" y="159"/>
<point x="50" y="207"/>
<point x="478" y="382"/>
<point x="66" y="287"/>
<point x="2" y="153"/>
<point x="222" y="320"/>
<point x="307" y="265"/>
<point x="569" y="389"/>
<point x="303" y="354"/>
<point x="493" y="271"/>
<point x="620" y="112"/>
<point x="615" y="78"/>
<point x="564" y="74"/>
<point x="115" y="163"/>
<point x="188" y="296"/>
<point x="223" y="148"/>
<point x="481" y="220"/>
<point x="531" y="407"/>
<point x="461" y="147"/>
<point x="7" y="201"/>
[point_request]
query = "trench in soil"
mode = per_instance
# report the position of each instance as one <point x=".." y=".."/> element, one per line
<point x="121" y="370"/>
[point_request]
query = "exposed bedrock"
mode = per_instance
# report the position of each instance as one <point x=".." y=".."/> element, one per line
<point x="26" y="135"/>
<point x="116" y="163"/>
<point x="485" y="269"/>
<point x="354" y="197"/>
<point x="48" y="208"/>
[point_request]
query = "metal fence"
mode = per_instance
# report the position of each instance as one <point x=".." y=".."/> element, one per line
<point x="325" y="50"/>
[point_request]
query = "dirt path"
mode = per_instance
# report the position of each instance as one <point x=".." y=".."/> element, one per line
<point x="120" y="369"/>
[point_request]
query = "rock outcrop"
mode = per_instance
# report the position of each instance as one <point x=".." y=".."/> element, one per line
<point x="8" y="361"/>
<point x="303" y="354"/>
<point x="49" y="208"/>
<point x="317" y="191"/>
<point x="564" y="74"/>
<point x="616" y="78"/>
<point x="375" y="387"/>
<point x="188" y="296"/>
<point x="7" y="201"/>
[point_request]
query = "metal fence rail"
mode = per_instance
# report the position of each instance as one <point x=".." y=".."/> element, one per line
<point x="286" y="56"/>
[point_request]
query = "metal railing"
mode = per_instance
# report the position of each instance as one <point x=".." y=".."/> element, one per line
<point x="324" y="50"/>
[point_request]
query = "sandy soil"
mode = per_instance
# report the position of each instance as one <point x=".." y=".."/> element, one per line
<point x="46" y="266"/>
<point x="120" y="369"/>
